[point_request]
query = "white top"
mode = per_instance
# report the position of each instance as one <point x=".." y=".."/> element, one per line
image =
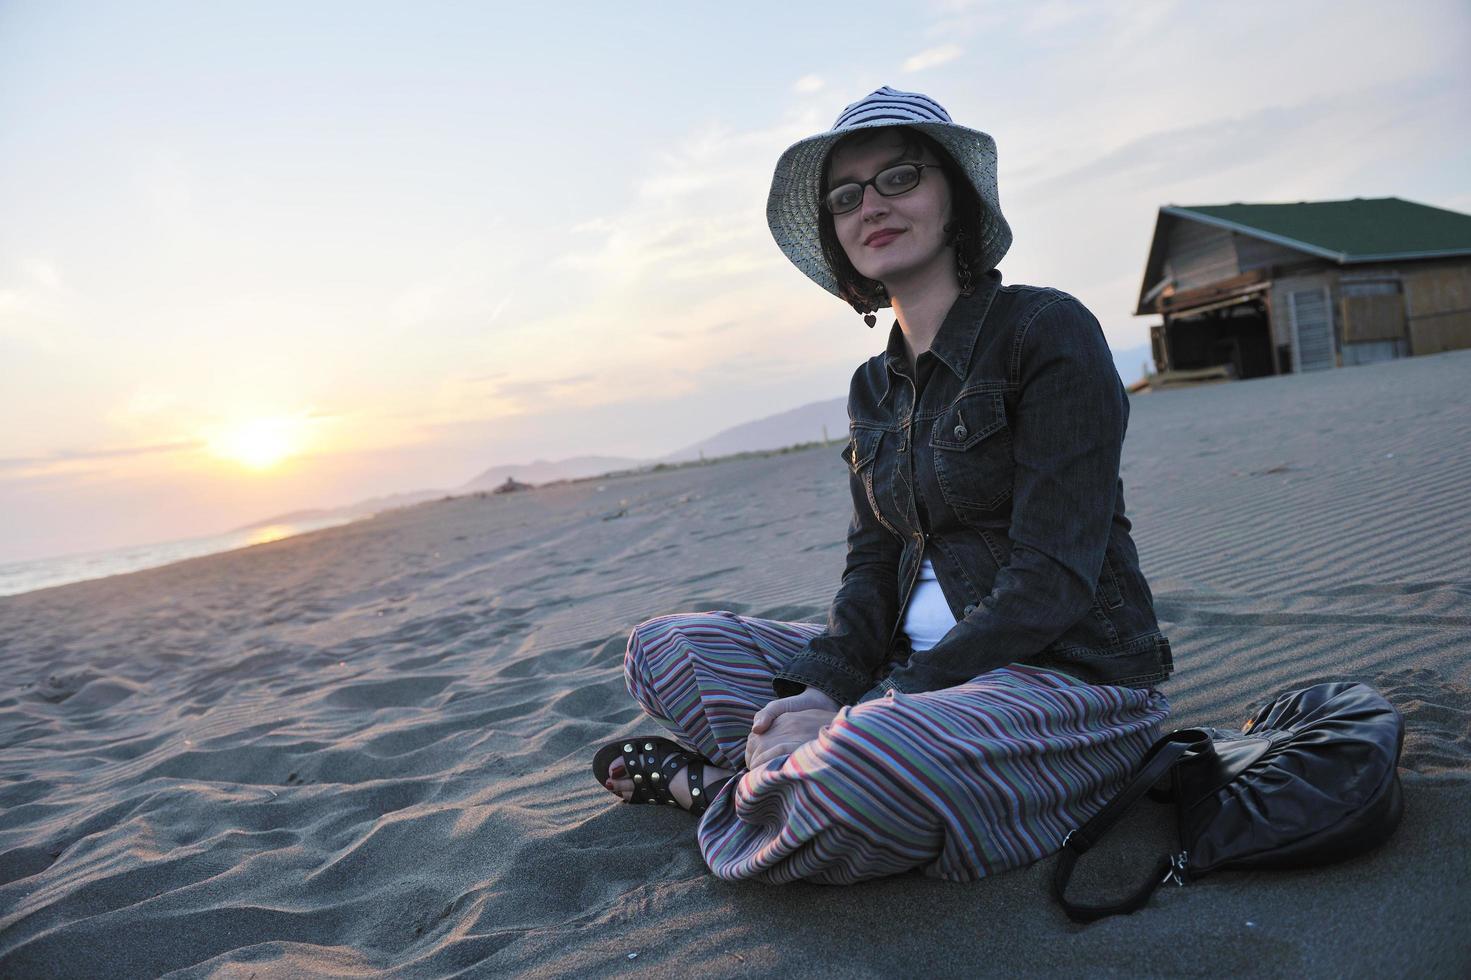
<point x="928" y="616"/>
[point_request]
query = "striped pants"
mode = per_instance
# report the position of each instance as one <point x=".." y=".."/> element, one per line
<point x="964" y="782"/>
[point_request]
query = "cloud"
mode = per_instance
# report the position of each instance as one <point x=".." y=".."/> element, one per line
<point x="163" y="176"/>
<point x="149" y="400"/>
<point x="808" y="84"/>
<point x="1055" y="15"/>
<point x="679" y="281"/>
<point x="499" y="308"/>
<point x="535" y="390"/>
<point x="698" y="215"/>
<point x="592" y="226"/>
<point x="1296" y="139"/>
<point x="697" y="331"/>
<point x="65" y="456"/>
<point x="42" y="272"/>
<point x="1045" y="19"/>
<point x="38" y="309"/>
<point x="932" y="57"/>
<point x="418" y="303"/>
<point x="458" y="284"/>
<point x="482" y="378"/>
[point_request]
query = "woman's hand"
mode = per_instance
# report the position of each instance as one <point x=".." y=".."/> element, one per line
<point x="783" y="724"/>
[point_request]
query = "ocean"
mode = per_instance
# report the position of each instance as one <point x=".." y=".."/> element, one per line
<point x="43" y="573"/>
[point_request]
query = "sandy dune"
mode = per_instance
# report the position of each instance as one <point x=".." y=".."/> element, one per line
<point x="364" y="750"/>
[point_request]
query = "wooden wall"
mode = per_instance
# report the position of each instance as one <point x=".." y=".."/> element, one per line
<point x="1371" y="311"/>
<point x="1254" y="253"/>
<point x="1438" y="307"/>
<point x="1425" y="308"/>
<point x="1199" y="254"/>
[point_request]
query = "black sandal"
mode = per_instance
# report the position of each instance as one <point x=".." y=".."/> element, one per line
<point x="651" y="762"/>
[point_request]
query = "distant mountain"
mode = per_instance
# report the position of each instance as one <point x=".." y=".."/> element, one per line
<point x="1133" y="362"/>
<point x="363" y="508"/>
<point x="807" y="423"/>
<point x="543" y="471"/>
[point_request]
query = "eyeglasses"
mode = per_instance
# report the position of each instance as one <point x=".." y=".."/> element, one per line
<point x="890" y="183"/>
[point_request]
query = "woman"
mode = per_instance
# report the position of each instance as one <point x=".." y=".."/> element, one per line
<point x="985" y="677"/>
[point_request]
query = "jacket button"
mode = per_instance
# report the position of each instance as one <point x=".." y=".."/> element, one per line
<point x="970" y="607"/>
<point x="960" y="432"/>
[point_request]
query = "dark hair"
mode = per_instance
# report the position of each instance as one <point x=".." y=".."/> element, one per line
<point x="966" y="211"/>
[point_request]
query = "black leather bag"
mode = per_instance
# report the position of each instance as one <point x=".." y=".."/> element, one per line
<point x="1311" y="778"/>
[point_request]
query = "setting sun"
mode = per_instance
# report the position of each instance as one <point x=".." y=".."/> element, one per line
<point x="259" y="444"/>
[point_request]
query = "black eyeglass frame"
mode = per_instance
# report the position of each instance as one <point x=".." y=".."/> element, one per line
<point x="863" y="185"/>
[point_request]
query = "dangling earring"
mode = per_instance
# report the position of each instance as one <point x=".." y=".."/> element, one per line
<point x="962" y="266"/>
<point x="868" y="316"/>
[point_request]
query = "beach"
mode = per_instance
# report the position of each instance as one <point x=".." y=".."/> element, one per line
<point x="364" y="750"/>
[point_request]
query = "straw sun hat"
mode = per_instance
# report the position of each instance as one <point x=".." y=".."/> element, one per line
<point x="792" y="207"/>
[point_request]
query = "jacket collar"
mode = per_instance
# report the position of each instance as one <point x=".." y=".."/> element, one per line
<point x="955" y="342"/>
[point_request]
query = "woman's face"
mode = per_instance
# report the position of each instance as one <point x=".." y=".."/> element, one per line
<point x="892" y="238"/>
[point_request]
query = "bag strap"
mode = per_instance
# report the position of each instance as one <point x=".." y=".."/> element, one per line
<point x="1158" y="762"/>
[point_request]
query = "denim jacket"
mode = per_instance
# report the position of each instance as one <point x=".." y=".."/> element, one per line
<point x="1014" y="450"/>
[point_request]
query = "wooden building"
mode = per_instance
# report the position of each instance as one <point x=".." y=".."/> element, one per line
<point x="1275" y="288"/>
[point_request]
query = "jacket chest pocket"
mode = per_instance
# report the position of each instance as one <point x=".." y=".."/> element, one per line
<point x="862" y="454"/>
<point x="972" y="451"/>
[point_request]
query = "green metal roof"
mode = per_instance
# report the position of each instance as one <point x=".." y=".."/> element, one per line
<point x="1359" y="230"/>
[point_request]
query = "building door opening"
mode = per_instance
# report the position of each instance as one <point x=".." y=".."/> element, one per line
<point x="1238" y="335"/>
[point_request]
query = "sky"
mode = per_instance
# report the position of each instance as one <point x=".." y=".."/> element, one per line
<point x="268" y="256"/>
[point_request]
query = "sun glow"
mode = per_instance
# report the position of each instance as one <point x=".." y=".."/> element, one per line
<point x="260" y="444"/>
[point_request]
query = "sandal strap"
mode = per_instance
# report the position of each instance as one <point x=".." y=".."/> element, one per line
<point x="713" y="790"/>
<point x="650" y="774"/>
<point x="700" y="793"/>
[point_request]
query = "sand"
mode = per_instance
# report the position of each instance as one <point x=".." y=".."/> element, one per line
<point x="365" y="750"/>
